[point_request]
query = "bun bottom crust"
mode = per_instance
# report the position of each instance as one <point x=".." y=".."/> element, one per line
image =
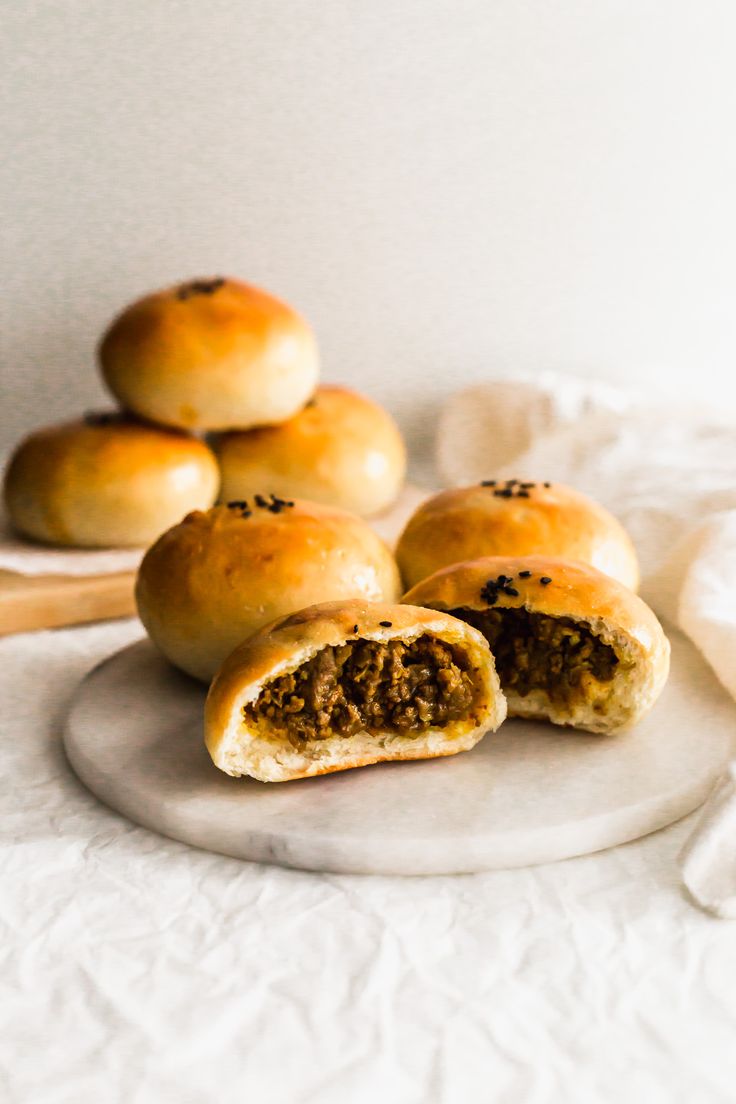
<point x="272" y="762"/>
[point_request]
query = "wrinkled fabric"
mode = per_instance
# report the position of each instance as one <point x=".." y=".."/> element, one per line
<point x="136" y="970"/>
<point x="18" y="554"/>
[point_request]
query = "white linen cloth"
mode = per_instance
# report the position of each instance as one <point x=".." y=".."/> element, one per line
<point x="137" y="970"/>
<point x="668" y="472"/>
<point x="28" y="558"/>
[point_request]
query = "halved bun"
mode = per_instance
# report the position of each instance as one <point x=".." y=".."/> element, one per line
<point x="571" y="644"/>
<point x="514" y="518"/>
<point x="305" y="653"/>
<point x="210" y="354"/>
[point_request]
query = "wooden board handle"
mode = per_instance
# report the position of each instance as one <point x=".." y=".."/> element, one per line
<point x="49" y="601"/>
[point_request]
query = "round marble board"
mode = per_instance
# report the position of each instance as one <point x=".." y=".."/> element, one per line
<point x="530" y="793"/>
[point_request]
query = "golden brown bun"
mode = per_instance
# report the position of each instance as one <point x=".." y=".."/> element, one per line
<point x="576" y="591"/>
<point x="535" y="519"/>
<point x="239" y="748"/>
<point x="210" y="354"/>
<point x="107" y="481"/>
<point x="219" y="576"/>
<point x="341" y="449"/>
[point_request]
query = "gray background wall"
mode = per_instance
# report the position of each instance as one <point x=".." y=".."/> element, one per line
<point x="444" y="187"/>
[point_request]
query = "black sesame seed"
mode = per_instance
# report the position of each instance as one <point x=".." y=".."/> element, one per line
<point x="489" y="592"/>
<point x="488" y="482"/>
<point x="355" y="628"/>
<point x="546" y="484"/>
<point x="545" y="580"/>
<point x="199" y="287"/>
<point x="527" y="486"/>
<point x="505" y="492"/>
<point x="276" y="505"/>
<point x="511" y="482"/>
<point x="525" y="574"/>
<point x="501" y="579"/>
<point x="386" y="624"/>
<point x="511" y="591"/>
<point x="522" y="494"/>
<point x="237" y="504"/>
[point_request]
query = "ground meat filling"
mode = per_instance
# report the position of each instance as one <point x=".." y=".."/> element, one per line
<point x="368" y="686"/>
<point x="536" y="652"/>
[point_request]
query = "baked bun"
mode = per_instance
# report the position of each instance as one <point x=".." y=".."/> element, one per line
<point x="341" y="449"/>
<point x="210" y="354"/>
<point x="571" y="644"/>
<point x="107" y="481"/>
<point x="219" y="576"/>
<point x="514" y="518"/>
<point x="345" y="684"/>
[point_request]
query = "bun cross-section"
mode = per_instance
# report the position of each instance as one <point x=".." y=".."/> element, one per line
<point x="346" y="684"/>
<point x="571" y="645"/>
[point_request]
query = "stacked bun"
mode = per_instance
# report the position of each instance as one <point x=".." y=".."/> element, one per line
<point x="341" y="449"/>
<point x="205" y="356"/>
<point x="210" y="354"/>
<point x="106" y="480"/>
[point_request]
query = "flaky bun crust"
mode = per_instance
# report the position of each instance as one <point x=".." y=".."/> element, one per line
<point x="217" y="577"/>
<point x="534" y="519"/>
<point x="107" y="481"/>
<point x="238" y="748"/>
<point x="583" y="594"/>
<point x="210" y="354"/>
<point x="342" y="449"/>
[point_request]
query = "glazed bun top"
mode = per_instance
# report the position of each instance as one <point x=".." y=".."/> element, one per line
<point x="210" y="354"/>
<point x="514" y="518"/>
<point x="341" y="449"/>
<point x="545" y="585"/>
<point x="107" y="480"/>
<point x="220" y="575"/>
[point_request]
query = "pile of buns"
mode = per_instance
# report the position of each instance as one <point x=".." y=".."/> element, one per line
<point x="519" y="596"/>
<point x="521" y="603"/>
<point x="214" y="357"/>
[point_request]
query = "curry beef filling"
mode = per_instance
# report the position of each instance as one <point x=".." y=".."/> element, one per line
<point x="368" y="686"/>
<point x="536" y="652"/>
